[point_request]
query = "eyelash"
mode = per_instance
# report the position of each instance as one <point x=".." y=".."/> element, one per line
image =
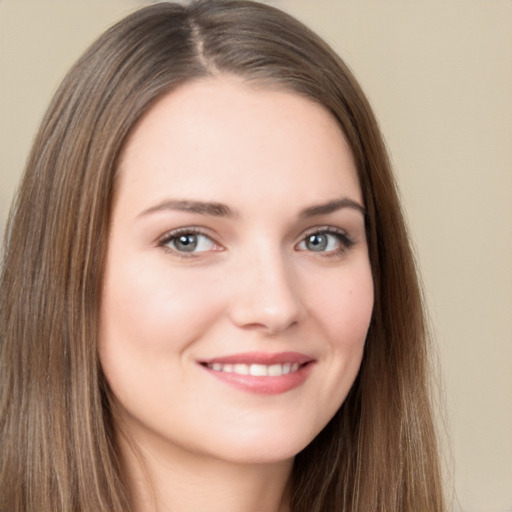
<point x="344" y="240"/>
<point x="176" y="234"/>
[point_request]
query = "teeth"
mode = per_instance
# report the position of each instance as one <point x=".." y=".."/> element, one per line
<point x="241" y="369"/>
<point x="256" y="370"/>
<point x="275" y="370"/>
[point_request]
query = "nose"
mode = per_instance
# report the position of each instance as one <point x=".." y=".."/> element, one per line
<point x="268" y="297"/>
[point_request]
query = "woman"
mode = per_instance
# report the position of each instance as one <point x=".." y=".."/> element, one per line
<point x="208" y="298"/>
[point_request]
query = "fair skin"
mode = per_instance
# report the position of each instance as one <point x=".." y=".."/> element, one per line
<point x="237" y="294"/>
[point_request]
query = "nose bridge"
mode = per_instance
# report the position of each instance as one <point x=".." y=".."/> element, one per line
<point x="268" y="295"/>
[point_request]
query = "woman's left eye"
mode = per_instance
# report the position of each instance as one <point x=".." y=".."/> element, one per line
<point x="188" y="242"/>
<point x="326" y="241"/>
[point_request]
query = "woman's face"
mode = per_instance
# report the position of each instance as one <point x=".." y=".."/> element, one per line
<point x="238" y="290"/>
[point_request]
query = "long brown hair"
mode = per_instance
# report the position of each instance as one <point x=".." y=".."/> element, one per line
<point x="57" y="439"/>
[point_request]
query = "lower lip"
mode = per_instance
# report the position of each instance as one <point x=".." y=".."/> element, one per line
<point x="264" y="385"/>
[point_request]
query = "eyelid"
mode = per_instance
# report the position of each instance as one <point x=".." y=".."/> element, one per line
<point x="346" y="240"/>
<point x="324" y="228"/>
<point x="186" y="230"/>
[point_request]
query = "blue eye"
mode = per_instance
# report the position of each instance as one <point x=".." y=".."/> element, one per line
<point x="188" y="242"/>
<point x="318" y="242"/>
<point x="325" y="241"/>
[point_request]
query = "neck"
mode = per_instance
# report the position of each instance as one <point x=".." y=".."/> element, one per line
<point x="184" y="482"/>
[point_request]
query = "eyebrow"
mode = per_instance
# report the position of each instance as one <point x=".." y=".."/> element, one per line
<point x="331" y="207"/>
<point x="199" y="207"/>
<point x="221" y="210"/>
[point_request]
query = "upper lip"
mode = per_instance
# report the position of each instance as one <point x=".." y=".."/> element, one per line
<point x="261" y="358"/>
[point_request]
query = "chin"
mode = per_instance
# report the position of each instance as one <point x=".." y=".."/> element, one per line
<point x="267" y="448"/>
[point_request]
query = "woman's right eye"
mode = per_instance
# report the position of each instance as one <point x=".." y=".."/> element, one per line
<point x="188" y="242"/>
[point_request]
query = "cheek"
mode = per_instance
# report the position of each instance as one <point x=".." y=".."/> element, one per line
<point x="151" y="309"/>
<point x="345" y="311"/>
<point x="342" y="308"/>
<point x="150" y="317"/>
<point x="345" y="307"/>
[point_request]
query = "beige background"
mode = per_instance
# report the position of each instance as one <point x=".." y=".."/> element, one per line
<point x="439" y="74"/>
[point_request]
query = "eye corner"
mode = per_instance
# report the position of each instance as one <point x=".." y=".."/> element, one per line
<point x="188" y="242"/>
<point x="325" y="241"/>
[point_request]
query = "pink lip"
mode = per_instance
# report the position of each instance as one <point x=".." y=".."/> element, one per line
<point x="261" y="358"/>
<point x="263" y="385"/>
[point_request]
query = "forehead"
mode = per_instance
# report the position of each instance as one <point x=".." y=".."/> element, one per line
<point x="221" y="136"/>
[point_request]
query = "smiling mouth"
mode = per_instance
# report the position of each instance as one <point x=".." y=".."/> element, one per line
<point x="262" y="373"/>
<point x="256" y="370"/>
